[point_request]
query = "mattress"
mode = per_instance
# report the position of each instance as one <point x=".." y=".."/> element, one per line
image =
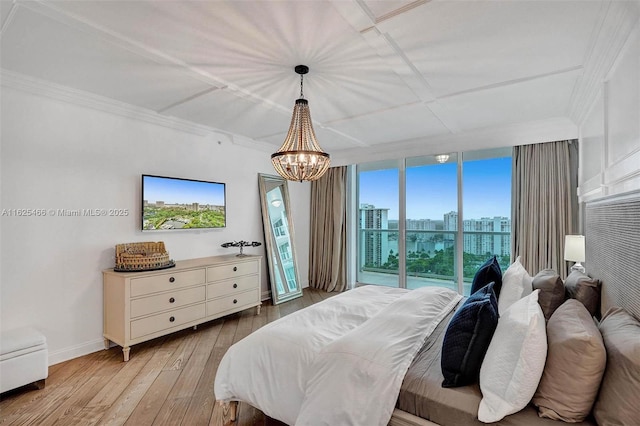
<point x="422" y="393"/>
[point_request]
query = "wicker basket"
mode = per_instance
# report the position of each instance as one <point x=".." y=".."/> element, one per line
<point x="142" y="257"/>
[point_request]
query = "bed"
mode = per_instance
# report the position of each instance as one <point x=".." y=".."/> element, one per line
<point x="293" y="369"/>
<point x="381" y="362"/>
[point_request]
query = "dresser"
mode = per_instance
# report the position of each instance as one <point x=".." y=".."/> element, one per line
<point x="139" y="306"/>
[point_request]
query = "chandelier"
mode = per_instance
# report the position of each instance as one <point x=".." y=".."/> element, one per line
<point x="300" y="157"/>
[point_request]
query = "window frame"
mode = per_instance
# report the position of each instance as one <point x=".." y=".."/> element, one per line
<point x="401" y="166"/>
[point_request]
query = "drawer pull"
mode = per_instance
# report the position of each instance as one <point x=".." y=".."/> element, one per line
<point x="235" y="301"/>
<point x="235" y="268"/>
<point x="235" y="285"/>
<point x="171" y="279"/>
<point x="172" y="319"/>
<point x="172" y="300"/>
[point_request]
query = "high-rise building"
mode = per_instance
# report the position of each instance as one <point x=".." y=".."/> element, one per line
<point x="479" y="243"/>
<point x="451" y="221"/>
<point x="375" y="244"/>
<point x="487" y="243"/>
<point x="422" y="224"/>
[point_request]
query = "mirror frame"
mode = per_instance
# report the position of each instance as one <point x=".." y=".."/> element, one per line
<point x="269" y="238"/>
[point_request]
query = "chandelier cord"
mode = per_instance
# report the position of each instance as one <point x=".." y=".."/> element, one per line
<point x="301" y="78"/>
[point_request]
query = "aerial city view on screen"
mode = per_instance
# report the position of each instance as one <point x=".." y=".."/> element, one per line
<point x="181" y="204"/>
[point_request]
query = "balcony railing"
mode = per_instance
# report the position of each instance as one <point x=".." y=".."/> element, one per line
<point x="431" y="256"/>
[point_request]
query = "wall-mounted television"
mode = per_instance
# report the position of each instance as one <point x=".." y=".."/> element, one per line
<point x="170" y="204"/>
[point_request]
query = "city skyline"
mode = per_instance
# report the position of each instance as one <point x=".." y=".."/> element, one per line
<point x="486" y="190"/>
<point x="429" y="237"/>
<point x="174" y="191"/>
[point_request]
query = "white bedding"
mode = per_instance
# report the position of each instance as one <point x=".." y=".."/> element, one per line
<point x="340" y="361"/>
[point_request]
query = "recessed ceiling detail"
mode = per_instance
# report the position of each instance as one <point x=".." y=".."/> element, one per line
<point x="384" y="72"/>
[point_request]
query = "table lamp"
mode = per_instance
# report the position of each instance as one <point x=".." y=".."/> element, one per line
<point x="574" y="251"/>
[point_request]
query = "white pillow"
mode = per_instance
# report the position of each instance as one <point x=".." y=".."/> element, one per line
<point x="514" y="362"/>
<point x="516" y="284"/>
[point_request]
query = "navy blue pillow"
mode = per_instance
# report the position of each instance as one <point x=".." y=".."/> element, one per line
<point x="467" y="338"/>
<point x="488" y="272"/>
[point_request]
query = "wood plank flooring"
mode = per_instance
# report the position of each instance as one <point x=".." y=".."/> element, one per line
<point x="167" y="381"/>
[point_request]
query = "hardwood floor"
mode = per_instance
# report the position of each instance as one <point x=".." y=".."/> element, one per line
<point x="168" y="381"/>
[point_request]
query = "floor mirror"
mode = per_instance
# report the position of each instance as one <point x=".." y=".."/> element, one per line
<point x="279" y="238"/>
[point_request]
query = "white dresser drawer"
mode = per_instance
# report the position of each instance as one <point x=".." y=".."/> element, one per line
<point x="166" y="320"/>
<point x="229" y="287"/>
<point x="142" y="305"/>
<point x="163" y="282"/>
<point x="169" y="300"/>
<point x="235" y="301"/>
<point x="223" y="272"/>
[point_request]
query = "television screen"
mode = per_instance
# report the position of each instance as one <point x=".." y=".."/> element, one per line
<point x="174" y="203"/>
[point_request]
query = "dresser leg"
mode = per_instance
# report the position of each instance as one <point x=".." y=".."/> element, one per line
<point x="106" y="344"/>
<point x="258" y="309"/>
<point x="125" y="353"/>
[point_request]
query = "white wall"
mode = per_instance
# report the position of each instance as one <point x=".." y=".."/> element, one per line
<point x="610" y="133"/>
<point x="64" y="155"/>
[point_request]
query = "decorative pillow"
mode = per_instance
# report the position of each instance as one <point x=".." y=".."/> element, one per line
<point x="487" y="273"/>
<point x="576" y="359"/>
<point x="582" y="287"/>
<point x="514" y="362"/>
<point x="516" y="283"/>
<point x="551" y="291"/>
<point x="618" y="402"/>
<point x="467" y="338"/>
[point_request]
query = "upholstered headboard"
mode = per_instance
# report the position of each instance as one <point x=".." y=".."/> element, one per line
<point x="612" y="232"/>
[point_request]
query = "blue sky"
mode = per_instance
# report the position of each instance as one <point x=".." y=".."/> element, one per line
<point x="432" y="190"/>
<point x="180" y="191"/>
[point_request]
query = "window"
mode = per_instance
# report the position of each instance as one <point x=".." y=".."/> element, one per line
<point x="378" y="224"/>
<point x="418" y="217"/>
<point x="431" y="222"/>
<point x="486" y="182"/>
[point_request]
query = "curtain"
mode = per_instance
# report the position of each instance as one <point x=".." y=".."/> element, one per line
<point x="544" y="204"/>
<point x="328" y="242"/>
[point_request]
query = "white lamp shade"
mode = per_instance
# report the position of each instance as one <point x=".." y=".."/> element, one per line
<point x="574" y="248"/>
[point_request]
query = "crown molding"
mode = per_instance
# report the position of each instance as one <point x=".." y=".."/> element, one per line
<point x="610" y="36"/>
<point x="553" y="129"/>
<point x="66" y="94"/>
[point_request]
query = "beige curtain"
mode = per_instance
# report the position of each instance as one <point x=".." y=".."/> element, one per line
<point x="328" y="245"/>
<point x="544" y="204"/>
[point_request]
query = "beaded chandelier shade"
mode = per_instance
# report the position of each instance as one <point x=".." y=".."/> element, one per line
<point x="300" y="157"/>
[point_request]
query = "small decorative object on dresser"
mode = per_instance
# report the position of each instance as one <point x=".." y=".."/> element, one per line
<point x="242" y="245"/>
<point x="140" y="306"/>
<point x="146" y="256"/>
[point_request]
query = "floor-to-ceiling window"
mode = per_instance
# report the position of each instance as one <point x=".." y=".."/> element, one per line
<point x="486" y="200"/>
<point x="378" y="215"/>
<point x="431" y="221"/>
<point x="426" y="221"/>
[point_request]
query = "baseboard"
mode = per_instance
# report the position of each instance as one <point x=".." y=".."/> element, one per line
<point x="75" y="351"/>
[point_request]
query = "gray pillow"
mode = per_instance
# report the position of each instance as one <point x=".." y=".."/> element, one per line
<point x="576" y="359"/>
<point x="617" y="402"/>
<point x="585" y="289"/>
<point x="551" y="291"/>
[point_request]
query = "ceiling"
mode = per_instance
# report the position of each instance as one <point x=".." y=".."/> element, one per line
<point x="381" y="72"/>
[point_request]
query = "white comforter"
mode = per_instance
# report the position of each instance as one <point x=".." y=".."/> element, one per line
<point x="338" y="362"/>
